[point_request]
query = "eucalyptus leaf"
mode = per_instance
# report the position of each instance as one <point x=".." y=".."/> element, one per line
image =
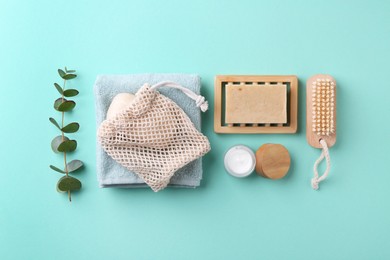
<point x="67" y="146"/>
<point x="58" y="102"/>
<point x="58" y="87"/>
<point x="69" y="76"/>
<point x="71" y="128"/>
<point x="71" y="92"/>
<point x="55" y="143"/>
<point x="74" y="165"/>
<point x="54" y="122"/>
<point x="69" y="71"/>
<point x="66" y="106"/>
<point x="56" y="169"/>
<point x="68" y="183"/>
<point x="61" y="73"/>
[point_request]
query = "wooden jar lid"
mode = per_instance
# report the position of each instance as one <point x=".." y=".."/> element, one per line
<point x="272" y="161"/>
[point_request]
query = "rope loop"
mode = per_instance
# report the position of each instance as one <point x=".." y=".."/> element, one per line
<point x="200" y="101"/>
<point x="315" y="181"/>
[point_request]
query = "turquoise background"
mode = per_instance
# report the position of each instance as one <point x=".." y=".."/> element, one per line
<point x="226" y="218"/>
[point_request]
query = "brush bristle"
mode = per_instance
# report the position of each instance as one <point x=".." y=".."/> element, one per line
<point x="323" y="107"/>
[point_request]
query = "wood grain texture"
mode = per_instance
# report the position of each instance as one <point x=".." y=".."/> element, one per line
<point x="272" y="161"/>
<point x="312" y="138"/>
<point x="222" y="127"/>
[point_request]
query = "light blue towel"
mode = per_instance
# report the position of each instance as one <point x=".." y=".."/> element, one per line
<point x="112" y="174"/>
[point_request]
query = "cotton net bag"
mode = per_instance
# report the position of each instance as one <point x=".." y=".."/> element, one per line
<point x="153" y="137"/>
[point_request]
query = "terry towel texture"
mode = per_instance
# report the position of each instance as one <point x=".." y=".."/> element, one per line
<point x="112" y="174"/>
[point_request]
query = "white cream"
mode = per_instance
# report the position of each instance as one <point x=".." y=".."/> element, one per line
<point x="240" y="161"/>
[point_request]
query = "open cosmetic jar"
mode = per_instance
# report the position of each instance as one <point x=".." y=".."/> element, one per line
<point x="240" y="161"/>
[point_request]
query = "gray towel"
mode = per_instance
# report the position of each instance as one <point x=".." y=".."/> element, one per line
<point x="112" y="174"/>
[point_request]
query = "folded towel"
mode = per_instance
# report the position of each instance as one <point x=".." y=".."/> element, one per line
<point x="112" y="174"/>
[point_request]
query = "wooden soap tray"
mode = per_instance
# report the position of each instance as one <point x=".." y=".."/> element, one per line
<point x="242" y="114"/>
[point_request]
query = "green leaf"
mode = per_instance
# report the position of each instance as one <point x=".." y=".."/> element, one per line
<point x="56" y="169"/>
<point x="71" y="128"/>
<point x="55" y="143"/>
<point x="54" y="122"/>
<point x="68" y="183"/>
<point x="58" y="102"/>
<point x="69" y="76"/>
<point x="74" y="165"/>
<point x="58" y="87"/>
<point x="61" y="73"/>
<point x="71" y="92"/>
<point x="67" y="146"/>
<point x="69" y="71"/>
<point x="64" y="106"/>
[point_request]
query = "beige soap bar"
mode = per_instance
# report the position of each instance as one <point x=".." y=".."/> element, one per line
<point x="119" y="103"/>
<point x="253" y="104"/>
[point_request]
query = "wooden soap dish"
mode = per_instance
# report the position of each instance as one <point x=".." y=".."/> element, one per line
<point x="255" y="104"/>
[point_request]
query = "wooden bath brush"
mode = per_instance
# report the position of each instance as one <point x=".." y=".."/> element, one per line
<point x="321" y="119"/>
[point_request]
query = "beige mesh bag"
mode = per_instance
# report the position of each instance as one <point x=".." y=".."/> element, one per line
<point x="153" y="137"/>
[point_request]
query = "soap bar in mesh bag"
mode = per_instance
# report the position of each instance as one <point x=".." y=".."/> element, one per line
<point x="153" y="137"/>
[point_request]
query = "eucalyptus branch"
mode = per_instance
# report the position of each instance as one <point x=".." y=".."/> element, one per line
<point x="61" y="143"/>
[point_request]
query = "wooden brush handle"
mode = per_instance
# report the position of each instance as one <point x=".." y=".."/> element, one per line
<point x="312" y="138"/>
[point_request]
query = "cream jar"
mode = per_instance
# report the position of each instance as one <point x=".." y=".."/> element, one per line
<point x="240" y="161"/>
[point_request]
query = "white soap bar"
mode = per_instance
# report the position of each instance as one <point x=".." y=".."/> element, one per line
<point x="255" y="103"/>
<point x="119" y="103"/>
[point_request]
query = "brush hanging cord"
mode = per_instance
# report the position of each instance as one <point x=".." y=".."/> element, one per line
<point x="315" y="181"/>
<point x="200" y="100"/>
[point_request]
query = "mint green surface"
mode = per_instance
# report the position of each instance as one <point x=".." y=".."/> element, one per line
<point x="227" y="218"/>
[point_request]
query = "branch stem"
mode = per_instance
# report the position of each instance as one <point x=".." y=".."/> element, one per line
<point x="63" y="139"/>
